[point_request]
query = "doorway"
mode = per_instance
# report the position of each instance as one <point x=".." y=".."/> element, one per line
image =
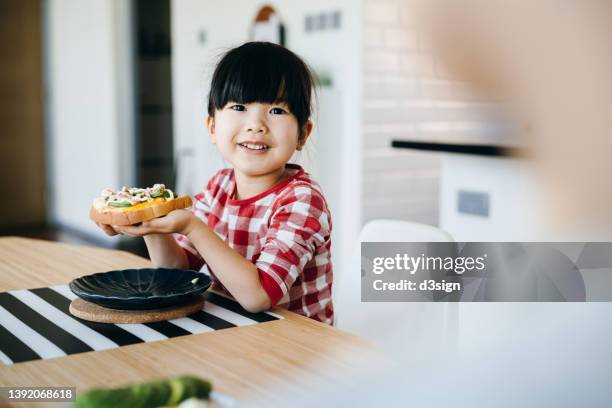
<point x="22" y="151"/>
<point x="153" y="83"/>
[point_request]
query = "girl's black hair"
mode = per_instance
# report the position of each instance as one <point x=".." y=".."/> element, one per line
<point x="263" y="72"/>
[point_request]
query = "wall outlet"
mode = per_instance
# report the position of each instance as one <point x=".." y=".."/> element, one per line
<point x="473" y="203"/>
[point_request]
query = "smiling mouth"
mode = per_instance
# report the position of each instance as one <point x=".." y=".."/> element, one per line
<point x="252" y="146"/>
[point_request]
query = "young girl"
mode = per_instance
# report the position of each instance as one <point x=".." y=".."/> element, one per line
<point x="262" y="228"/>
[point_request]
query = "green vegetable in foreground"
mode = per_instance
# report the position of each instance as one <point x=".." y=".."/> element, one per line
<point x="149" y="394"/>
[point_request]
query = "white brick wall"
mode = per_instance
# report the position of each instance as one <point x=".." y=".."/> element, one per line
<point x="398" y="183"/>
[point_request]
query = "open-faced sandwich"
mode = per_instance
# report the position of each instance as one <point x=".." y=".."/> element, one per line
<point x="133" y="205"/>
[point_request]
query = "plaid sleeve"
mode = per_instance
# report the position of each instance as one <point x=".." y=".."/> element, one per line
<point x="201" y="209"/>
<point x="299" y="225"/>
<point x="196" y="262"/>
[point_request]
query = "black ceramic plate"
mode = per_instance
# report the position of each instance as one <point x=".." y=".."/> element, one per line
<point x="141" y="289"/>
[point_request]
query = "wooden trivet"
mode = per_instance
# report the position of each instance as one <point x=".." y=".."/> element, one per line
<point x="83" y="309"/>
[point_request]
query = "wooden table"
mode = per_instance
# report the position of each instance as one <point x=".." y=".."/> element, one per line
<point x="269" y="364"/>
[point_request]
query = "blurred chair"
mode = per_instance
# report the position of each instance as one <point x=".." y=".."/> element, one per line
<point x="388" y="323"/>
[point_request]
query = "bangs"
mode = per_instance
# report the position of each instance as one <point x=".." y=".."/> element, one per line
<point x="253" y="81"/>
<point x="265" y="73"/>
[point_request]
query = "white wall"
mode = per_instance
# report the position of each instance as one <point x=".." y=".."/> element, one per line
<point x="88" y="106"/>
<point x="336" y="52"/>
<point x="514" y="205"/>
<point x="519" y="208"/>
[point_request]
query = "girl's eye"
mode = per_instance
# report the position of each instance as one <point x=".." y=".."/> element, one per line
<point x="238" y="108"/>
<point x="277" y="111"/>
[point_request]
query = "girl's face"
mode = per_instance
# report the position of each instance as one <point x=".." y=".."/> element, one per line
<point x="256" y="138"/>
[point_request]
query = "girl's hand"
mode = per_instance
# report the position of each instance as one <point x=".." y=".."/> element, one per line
<point x="179" y="221"/>
<point x="109" y="230"/>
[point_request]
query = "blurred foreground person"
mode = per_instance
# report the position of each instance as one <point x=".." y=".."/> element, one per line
<point x="550" y="62"/>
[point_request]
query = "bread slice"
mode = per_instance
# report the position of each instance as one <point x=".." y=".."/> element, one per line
<point x="139" y="212"/>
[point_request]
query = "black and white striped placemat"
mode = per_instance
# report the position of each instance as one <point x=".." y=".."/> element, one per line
<point x="36" y="324"/>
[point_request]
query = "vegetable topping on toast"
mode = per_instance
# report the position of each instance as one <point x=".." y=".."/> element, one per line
<point x="129" y="196"/>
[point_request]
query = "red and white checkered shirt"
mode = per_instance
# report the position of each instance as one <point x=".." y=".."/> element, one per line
<point x="285" y="231"/>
